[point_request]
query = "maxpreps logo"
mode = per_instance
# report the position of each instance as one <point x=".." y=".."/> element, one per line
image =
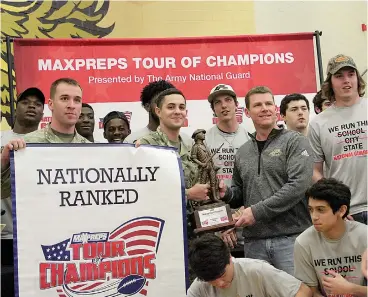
<point x="239" y="116"/>
<point x="128" y="114"/>
<point x="104" y="263"/>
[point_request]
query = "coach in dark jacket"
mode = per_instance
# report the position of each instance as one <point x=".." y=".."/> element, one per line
<point x="271" y="175"/>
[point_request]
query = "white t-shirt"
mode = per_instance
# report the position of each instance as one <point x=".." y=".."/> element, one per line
<point x="136" y="135"/>
<point x="225" y="157"/>
<point x="6" y="204"/>
<point x="338" y="137"/>
<point x="252" y="277"/>
<point x="314" y="255"/>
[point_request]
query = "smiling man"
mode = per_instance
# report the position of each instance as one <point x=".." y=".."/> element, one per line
<point x="116" y="127"/>
<point x="65" y="104"/>
<point x="230" y="136"/>
<point x="272" y="171"/>
<point x="171" y="111"/>
<point x="86" y="122"/>
<point x="220" y="275"/>
<point x="339" y="136"/>
<point x="294" y="110"/>
<point x="328" y="255"/>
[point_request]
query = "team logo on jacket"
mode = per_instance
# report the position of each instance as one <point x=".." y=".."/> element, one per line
<point x="116" y="263"/>
<point x="128" y="114"/>
<point x="239" y="116"/>
<point x="276" y="153"/>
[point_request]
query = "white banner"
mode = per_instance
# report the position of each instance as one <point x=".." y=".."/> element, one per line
<point x="99" y="220"/>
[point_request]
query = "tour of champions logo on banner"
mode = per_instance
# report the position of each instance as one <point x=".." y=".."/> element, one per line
<point x="113" y="72"/>
<point x="99" y="220"/>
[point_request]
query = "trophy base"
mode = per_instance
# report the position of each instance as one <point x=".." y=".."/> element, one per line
<point x="213" y="217"/>
<point x="216" y="228"/>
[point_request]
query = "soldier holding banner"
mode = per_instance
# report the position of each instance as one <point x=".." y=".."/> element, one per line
<point x="65" y="104"/>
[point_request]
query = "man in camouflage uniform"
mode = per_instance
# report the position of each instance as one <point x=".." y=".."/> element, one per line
<point x="65" y="105"/>
<point x="171" y="110"/>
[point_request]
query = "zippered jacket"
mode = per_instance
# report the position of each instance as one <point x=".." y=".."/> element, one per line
<point x="273" y="183"/>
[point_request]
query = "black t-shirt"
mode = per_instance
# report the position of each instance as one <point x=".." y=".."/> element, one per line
<point x="261" y="145"/>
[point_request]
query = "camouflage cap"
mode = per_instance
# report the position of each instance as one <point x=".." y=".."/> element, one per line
<point x="197" y="132"/>
<point x="338" y="62"/>
<point x="221" y="89"/>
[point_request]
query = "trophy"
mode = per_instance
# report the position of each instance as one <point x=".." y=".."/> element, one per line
<point x="212" y="215"/>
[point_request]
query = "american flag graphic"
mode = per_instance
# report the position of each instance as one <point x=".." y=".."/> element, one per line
<point x="239" y="116"/>
<point x="128" y="114"/>
<point x="56" y="252"/>
<point x="141" y="236"/>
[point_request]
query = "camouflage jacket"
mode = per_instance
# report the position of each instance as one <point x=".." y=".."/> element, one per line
<point x="189" y="167"/>
<point x="45" y="135"/>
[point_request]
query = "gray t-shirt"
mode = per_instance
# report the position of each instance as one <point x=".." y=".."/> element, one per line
<point x="136" y="135"/>
<point x="6" y="204"/>
<point x="225" y="157"/>
<point x="314" y="255"/>
<point x="338" y="136"/>
<point x="251" y="278"/>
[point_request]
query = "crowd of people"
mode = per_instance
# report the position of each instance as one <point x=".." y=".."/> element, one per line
<point x="299" y="194"/>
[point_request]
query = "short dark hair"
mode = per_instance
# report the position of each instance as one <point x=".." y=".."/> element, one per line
<point x="208" y="257"/>
<point x="152" y="89"/>
<point x="291" y="97"/>
<point x="87" y="105"/>
<point x="256" y="90"/>
<point x="159" y="99"/>
<point x="65" y="80"/>
<point x="318" y="101"/>
<point x="115" y="115"/>
<point x="334" y="192"/>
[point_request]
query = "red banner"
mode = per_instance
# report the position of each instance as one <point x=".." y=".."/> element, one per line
<point x="116" y="70"/>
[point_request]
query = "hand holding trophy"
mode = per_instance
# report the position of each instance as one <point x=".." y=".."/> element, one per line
<point x="213" y="215"/>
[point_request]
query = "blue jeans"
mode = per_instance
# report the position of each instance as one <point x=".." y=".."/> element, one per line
<point x="361" y="217"/>
<point x="278" y="251"/>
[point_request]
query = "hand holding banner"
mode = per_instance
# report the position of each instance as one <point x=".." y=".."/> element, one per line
<point x="94" y="226"/>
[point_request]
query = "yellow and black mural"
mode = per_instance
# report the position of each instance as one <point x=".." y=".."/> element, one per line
<point x="46" y="19"/>
<point x="116" y="19"/>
